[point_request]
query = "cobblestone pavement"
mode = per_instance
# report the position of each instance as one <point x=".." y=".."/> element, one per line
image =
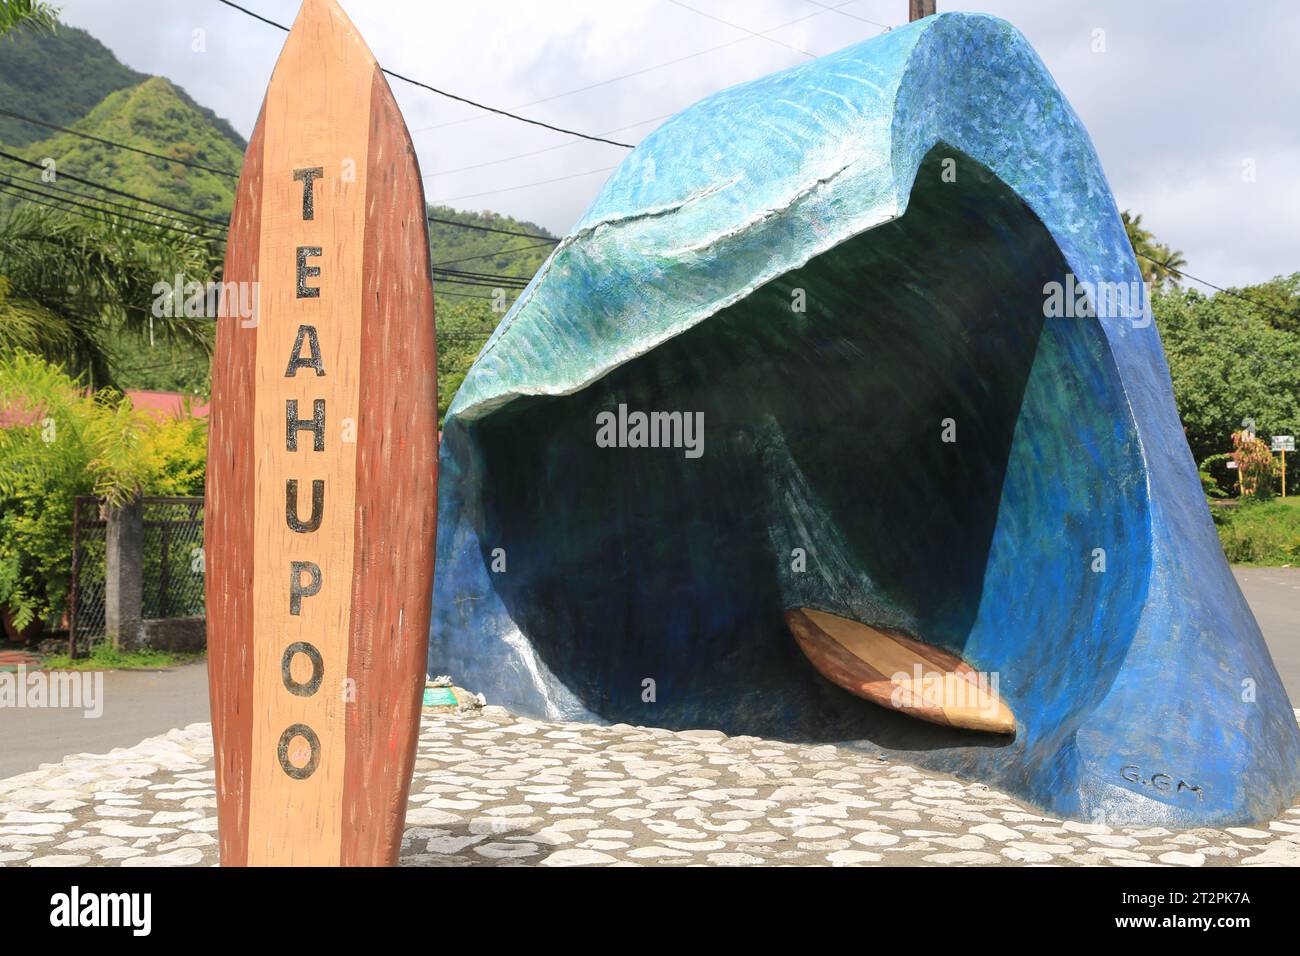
<point x="495" y="790"/>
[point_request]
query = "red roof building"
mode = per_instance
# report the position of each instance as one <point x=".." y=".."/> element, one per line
<point x="158" y="404"/>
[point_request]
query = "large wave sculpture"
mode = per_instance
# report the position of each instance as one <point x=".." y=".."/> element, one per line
<point x="872" y="298"/>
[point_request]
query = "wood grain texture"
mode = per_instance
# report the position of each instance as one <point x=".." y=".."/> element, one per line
<point x="899" y="672"/>
<point x="228" y="518"/>
<point x="396" y="513"/>
<point x="324" y="770"/>
<point x="317" y="116"/>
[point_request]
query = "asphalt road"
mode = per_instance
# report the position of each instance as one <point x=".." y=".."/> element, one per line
<point x="136" y="704"/>
<point x="139" y="704"/>
<point x="1274" y="595"/>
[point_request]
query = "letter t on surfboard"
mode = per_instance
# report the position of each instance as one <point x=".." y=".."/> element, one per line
<point x="322" y="468"/>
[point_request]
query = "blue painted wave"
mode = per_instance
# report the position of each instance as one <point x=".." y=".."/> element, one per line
<point x="830" y="264"/>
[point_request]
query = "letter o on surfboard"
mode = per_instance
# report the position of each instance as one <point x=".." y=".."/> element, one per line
<point x="313" y="742"/>
<point x="311" y="684"/>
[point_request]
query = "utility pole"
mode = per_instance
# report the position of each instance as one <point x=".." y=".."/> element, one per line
<point x="920" y="8"/>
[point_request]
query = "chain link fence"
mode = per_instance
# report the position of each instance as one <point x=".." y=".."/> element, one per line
<point x="173" y="557"/>
<point x="89" y="575"/>
<point x="172" y="571"/>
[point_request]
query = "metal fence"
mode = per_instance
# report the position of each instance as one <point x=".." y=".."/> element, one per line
<point x="173" y="557"/>
<point x="86" y="596"/>
<point x="172" y="572"/>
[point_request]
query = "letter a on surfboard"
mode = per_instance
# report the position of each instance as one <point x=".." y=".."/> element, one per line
<point x="322" y="467"/>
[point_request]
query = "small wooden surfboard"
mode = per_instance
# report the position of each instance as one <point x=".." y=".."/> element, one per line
<point x="322" y="467"/>
<point x="899" y="672"/>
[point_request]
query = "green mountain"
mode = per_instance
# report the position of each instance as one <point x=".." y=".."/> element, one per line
<point x="156" y="116"/>
<point x="56" y="77"/>
<point x="61" y="76"/>
<point x="72" y="80"/>
<point x="471" y="250"/>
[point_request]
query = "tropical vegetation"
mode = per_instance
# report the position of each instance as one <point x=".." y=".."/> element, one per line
<point x="34" y="14"/>
<point x="1234" y="365"/>
<point x="1261" y="532"/>
<point x="80" y="292"/>
<point x="64" y="440"/>
<point x="1159" y="263"/>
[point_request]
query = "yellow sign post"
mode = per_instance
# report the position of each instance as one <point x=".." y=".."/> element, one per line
<point x="1283" y="444"/>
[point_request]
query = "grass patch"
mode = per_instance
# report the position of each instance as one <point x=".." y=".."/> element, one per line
<point x="1261" y="532"/>
<point x="103" y="657"/>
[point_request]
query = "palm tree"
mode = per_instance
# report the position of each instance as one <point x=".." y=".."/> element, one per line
<point x="68" y="284"/>
<point x="1158" y="262"/>
<point x="1165" y="264"/>
<point x="35" y="13"/>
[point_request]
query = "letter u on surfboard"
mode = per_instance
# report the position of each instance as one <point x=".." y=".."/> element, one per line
<point x="322" y="467"/>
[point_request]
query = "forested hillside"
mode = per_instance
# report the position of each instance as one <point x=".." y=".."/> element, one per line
<point x="158" y="117"/>
<point x="58" y="77"/>
<point x="35" y="79"/>
<point x="106" y="99"/>
<point x="479" y="251"/>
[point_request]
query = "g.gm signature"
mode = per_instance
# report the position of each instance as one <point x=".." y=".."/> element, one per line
<point x="1163" y="782"/>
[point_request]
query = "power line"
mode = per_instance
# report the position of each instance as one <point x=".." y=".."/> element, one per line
<point x="649" y="69"/>
<point x="540" y="182"/>
<point x="116" y="145"/>
<point x="49" y="200"/>
<point x="490" y="286"/>
<point x="505" y="282"/>
<point x="450" y="96"/>
<point x="845" y="13"/>
<point x="737" y="26"/>
<point x="1228" y="292"/>
<point x="484" y="287"/>
<point x="514" y="116"/>
<point x="499" y="252"/>
<point x="533" y="152"/>
<point x="11" y="186"/>
<point x="480" y="275"/>
<point x="504" y="232"/>
<point x="217" y="222"/>
<point x="97" y="199"/>
<point x="489" y="278"/>
<point x="207" y="219"/>
<point x="110" y="189"/>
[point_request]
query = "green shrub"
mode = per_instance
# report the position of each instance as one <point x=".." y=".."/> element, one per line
<point x="1261" y="532"/>
<point x="75" y="444"/>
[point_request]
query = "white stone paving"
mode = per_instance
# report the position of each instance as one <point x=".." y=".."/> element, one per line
<point x="491" y="789"/>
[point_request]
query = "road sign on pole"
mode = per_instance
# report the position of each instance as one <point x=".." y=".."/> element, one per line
<point x="1284" y="444"/>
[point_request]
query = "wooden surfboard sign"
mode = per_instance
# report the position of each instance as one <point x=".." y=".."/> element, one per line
<point x="322" y="467"/>
<point x="899" y="672"/>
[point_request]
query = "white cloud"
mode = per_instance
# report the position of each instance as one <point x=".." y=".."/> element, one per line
<point x="1184" y="91"/>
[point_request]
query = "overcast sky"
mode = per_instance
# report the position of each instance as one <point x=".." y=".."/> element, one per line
<point x="1184" y="94"/>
